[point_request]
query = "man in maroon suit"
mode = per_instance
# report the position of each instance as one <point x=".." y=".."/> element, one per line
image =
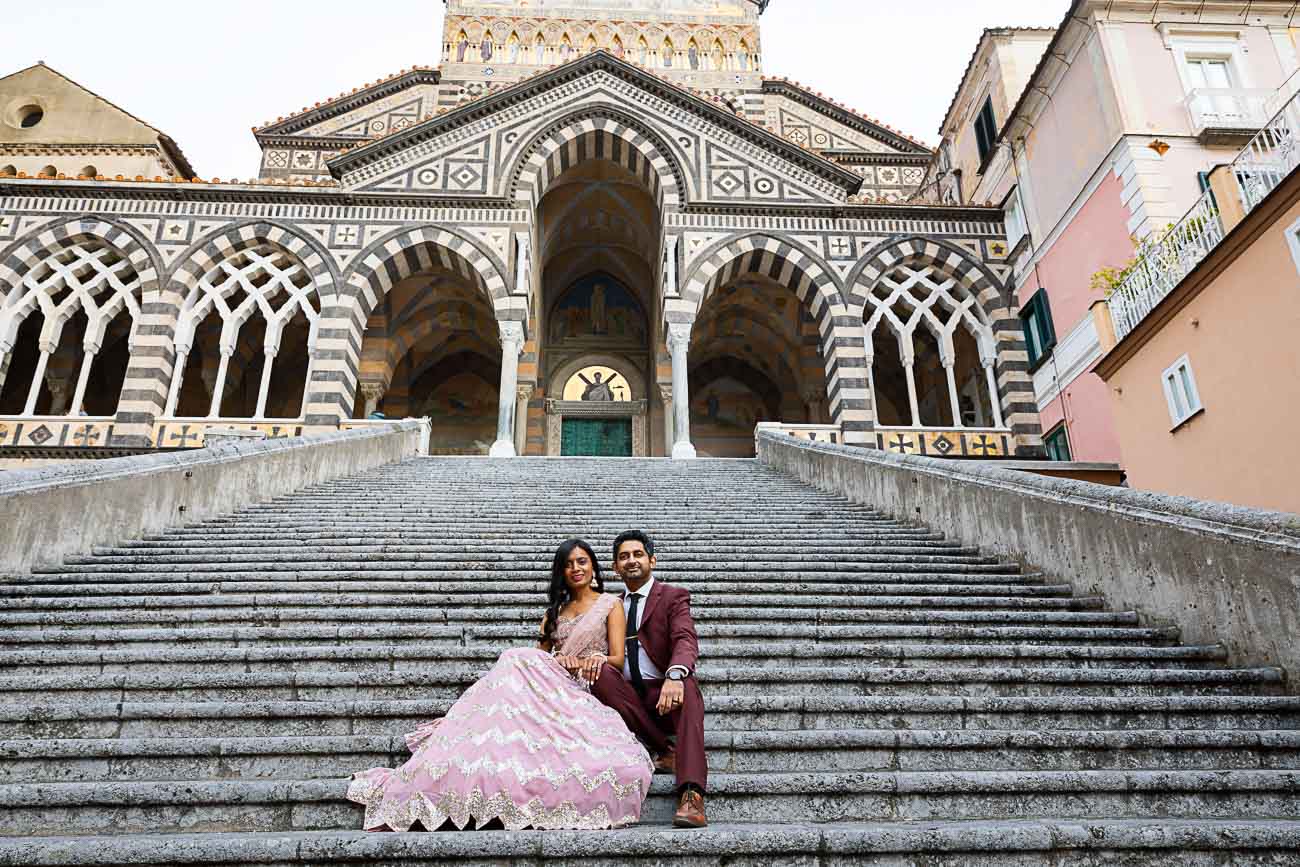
<point x="656" y="693"/>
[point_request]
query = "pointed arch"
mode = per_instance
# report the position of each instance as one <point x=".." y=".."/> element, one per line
<point x="961" y="292"/>
<point x="813" y="282"/>
<point x="597" y="133"/>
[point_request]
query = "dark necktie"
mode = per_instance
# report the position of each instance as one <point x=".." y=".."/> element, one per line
<point x="634" y="646"/>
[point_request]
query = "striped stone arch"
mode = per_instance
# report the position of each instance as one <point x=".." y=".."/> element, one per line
<point x="376" y="270"/>
<point x="30" y="252"/>
<point x="597" y="133"/>
<point x="157" y="372"/>
<point x="1014" y="384"/>
<point x="814" y="284"/>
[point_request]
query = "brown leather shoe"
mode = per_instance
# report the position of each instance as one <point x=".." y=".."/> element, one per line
<point x="666" y="763"/>
<point x="690" y="811"/>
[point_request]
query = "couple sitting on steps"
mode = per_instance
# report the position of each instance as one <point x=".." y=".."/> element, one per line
<point x="548" y="739"/>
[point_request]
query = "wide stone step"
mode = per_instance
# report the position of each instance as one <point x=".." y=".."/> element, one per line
<point x="158" y="759"/>
<point x="370" y="607"/>
<point x="146" y="627"/>
<point x="513" y="569"/>
<point x="762" y="658"/>
<point x="444" y="680"/>
<point x="521" y="560"/>
<point x="998" y="843"/>
<point x="297" y="805"/>
<point x="945" y="590"/>
<point x="172" y="719"/>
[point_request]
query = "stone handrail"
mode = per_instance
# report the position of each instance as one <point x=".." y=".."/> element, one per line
<point x="52" y="512"/>
<point x="1223" y="574"/>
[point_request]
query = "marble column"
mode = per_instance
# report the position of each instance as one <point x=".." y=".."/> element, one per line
<point x="512" y="345"/>
<point x="679" y="341"/>
<point x="371" y="393"/>
<point x="666" y="395"/>
<point x="523" y="394"/>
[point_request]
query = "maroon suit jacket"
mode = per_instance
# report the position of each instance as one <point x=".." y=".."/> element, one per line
<point x="667" y="632"/>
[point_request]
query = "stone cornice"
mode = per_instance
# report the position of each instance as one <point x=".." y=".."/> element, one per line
<point x="605" y="62"/>
<point x="842" y="115"/>
<point x="349" y="102"/>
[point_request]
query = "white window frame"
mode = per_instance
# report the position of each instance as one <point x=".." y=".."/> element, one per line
<point x="1227" y="47"/>
<point x="1293" y="242"/>
<point x="1182" y="394"/>
<point x="1014" y="208"/>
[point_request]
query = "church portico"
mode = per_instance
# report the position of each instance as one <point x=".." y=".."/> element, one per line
<point x="467" y="263"/>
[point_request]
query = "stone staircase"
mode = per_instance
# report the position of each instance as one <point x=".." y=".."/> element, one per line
<point x="875" y="692"/>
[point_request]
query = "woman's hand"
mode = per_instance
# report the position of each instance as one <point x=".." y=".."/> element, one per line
<point x="591" y="666"/>
<point x="569" y="663"/>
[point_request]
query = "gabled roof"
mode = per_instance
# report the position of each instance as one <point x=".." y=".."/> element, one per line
<point x="988" y="33"/>
<point x="165" y="142"/>
<point x="841" y="113"/>
<point x="600" y="60"/>
<point x="346" y="102"/>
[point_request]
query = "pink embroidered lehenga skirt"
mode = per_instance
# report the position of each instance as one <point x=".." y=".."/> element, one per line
<point x="526" y="745"/>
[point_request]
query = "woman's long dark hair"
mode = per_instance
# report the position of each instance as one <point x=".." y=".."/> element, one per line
<point x="559" y="591"/>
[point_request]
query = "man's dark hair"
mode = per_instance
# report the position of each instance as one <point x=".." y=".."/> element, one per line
<point x="634" y="536"/>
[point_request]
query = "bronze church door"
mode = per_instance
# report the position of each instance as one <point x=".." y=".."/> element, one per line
<point x="597" y="437"/>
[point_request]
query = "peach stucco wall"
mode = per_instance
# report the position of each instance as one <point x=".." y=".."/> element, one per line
<point x="1240" y="336"/>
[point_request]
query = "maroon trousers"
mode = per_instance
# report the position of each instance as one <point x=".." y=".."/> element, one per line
<point x="686" y="723"/>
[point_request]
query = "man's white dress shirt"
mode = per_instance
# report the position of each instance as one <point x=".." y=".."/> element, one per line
<point x="649" y="671"/>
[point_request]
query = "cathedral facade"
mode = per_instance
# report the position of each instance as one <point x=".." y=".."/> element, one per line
<point x="596" y="227"/>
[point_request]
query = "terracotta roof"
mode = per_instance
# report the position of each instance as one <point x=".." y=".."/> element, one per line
<point x="961" y="82"/>
<point x="818" y="96"/>
<point x="348" y="100"/>
<point x="141" y="179"/>
<point x="165" y="141"/>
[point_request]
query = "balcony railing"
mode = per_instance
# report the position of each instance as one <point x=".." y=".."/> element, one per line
<point x="1272" y="154"/>
<point x="1227" y="110"/>
<point x="1162" y="264"/>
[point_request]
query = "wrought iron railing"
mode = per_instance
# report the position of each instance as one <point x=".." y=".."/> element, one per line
<point x="1161" y="264"/>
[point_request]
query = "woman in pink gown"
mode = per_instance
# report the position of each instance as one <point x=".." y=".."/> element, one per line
<point x="527" y="745"/>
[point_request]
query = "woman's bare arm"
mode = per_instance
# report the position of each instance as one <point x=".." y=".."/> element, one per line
<point x="617" y="626"/>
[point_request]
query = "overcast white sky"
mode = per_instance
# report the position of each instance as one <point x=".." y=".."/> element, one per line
<point x="205" y="72"/>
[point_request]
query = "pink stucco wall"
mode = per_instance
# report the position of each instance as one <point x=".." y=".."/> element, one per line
<point x="1097" y="237"/>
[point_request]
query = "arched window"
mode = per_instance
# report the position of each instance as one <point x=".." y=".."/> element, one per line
<point x="742" y="57"/>
<point x="668" y="53"/>
<point x="49" y="172"/>
<point x="244" y="338"/>
<point x="89" y="172"/>
<point x="539" y="50"/>
<point x="65" y="333"/>
<point x="462" y="46"/>
<point x="693" y="55"/>
<point x="30" y="115"/>
<point x="931" y="351"/>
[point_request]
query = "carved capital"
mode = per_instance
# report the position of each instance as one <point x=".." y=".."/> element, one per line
<point x="524" y="391"/>
<point x="678" y="336"/>
<point x="666" y="392"/>
<point x="512" y="337"/>
<point x="373" y="391"/>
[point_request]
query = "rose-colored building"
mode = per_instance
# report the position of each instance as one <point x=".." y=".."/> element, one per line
<point x="1104" y="137"/>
